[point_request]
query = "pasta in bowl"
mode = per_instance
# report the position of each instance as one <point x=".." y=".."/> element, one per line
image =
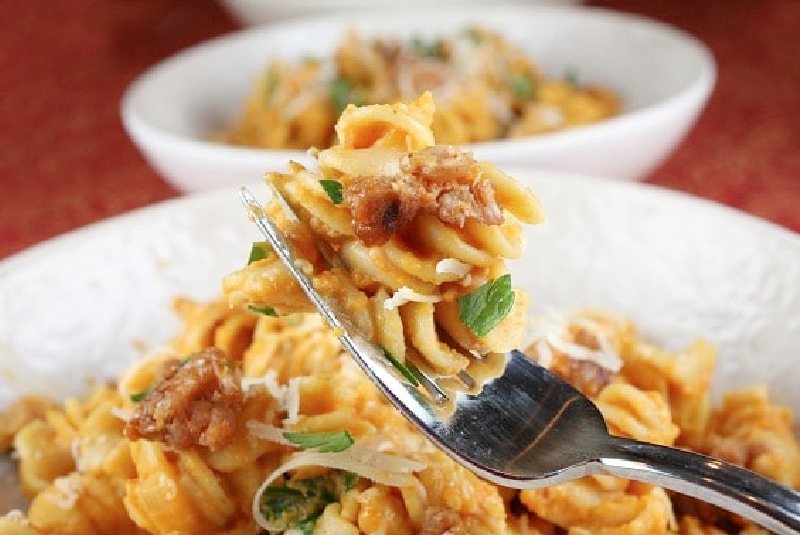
<point x="486" y="89"/>
<point x="253" y="417"/>
<point x="173" y="111"/>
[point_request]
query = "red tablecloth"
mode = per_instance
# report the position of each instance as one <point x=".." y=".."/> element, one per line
<point x="65" y="160"/>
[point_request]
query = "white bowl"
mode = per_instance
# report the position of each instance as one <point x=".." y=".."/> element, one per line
<point x="86" y="304"/>
<point x="254" y="12"/>
<point x="663" y="76"/>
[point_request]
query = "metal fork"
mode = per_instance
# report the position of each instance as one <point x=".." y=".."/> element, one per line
<point x="529" y="428"/>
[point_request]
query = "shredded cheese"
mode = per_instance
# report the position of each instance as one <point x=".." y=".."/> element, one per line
<point x="549" y="332"/>
<point x="287" y="396"/>
<point x="267" y="432"/>
<point x="379" y="467"/>
<point x="69" y="489"/>
<point x="451" y="266"/>
<point x="75" y="453"/>
<point x="405" y="295"/>
<point x="268" y="381"/>
<point x="292" y="401"/>
<point x="299" y="104"/>
<point x="122" y="414"/>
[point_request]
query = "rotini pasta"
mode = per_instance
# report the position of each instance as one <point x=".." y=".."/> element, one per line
<point x="417" y="228"/>
<point x="86" y="474"/>
<point x="486" y="90"/>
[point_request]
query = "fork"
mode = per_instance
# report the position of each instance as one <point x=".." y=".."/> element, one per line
<point x="529" y="428"/>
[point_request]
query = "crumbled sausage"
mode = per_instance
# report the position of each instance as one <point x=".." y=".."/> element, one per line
<point x="193" y="402"/>
<point x="439" y="163"/>
<point x="441" y="521"/>
<point x="587" y="376"/>
<point x="440" y="180"/>
<point x="379" y="210"/>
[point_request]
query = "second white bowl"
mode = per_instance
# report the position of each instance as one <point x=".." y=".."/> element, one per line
<point x="663" y="76"/>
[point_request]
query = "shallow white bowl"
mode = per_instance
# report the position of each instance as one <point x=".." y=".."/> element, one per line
<point x="254" y="12"/>
<point x="85" y="304"/>
<point x="663" y="75"/>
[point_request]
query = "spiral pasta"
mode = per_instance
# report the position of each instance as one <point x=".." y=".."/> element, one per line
<point x="486" y="88"/>
<point x="86" y="474"/>
<point x="748" y="430"/>
<point x="418" y="227"/>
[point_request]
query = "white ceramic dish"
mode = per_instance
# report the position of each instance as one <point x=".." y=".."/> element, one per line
<point x="255" y="12"/>
<point x="85" y="304"/>
<point x="663" y="75"/>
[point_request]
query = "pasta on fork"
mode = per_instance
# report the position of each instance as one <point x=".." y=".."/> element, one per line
<point x="420" y="233"/>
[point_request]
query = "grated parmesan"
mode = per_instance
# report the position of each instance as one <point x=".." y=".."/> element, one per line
<point x="549" y="332"/>
<point x="405" y="295"/>
<point x="70" y="489"/>
<point x="268" y="381"/>
<point x="451" y="266"/>
<point x="293" y="401"/>
<point x="122" y="414"/>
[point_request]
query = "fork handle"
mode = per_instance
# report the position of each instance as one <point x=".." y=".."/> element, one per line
<point x="741" y="491"/>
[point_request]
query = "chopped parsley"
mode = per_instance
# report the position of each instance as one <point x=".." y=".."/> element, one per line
<point x="571" y="77"/>
<point x="270" y="83"/>
<point x="267" y="311"/>
<point x="486" y="306"/>
<point x="298" y="504"/>
<point x="259" y="251"/>
<point x="400" y="366"/>
<point x="334" y="190"/>
<point x="139" y="396"/>
<point x="521" y="87"/>
<point x="322" y="442"/>
<point x="286" y="506"/>
<point x="427" y="49"/>
<point x="474" y="34"/>
<point x="342" y="92"/>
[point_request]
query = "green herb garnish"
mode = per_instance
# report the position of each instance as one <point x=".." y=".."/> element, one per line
<point x="285" y="507"/>
<point x="267" y="311"/>
<point x="342" y="92"/>
<point x="483" y="308"/>
<point x="139" y="396"/>
<point x="322" y="442"/>
<point x="521" y="86"/>
<point x="428" y="49"/>
<point x="259" y="251"/>
<point x="474" y="34"/>
<point x="334" y="190"/>
<point x="298" y="504"/>
<point x="270" y="83"/>
<point x="571" y="77"/>
<point x="400" y="366"/>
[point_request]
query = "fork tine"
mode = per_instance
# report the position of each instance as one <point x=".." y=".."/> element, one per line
<point x="284" y="250"/>
<point x="431" y="385"/>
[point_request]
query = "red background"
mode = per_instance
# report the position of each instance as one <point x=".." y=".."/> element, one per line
<point x="65" y="160"/>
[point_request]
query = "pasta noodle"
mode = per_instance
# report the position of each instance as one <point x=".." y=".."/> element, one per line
<point x="486" y="90"/>
<point x="254" y="419"/>
<point x="407" y="208"/>
<point x="301" y="380"/>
